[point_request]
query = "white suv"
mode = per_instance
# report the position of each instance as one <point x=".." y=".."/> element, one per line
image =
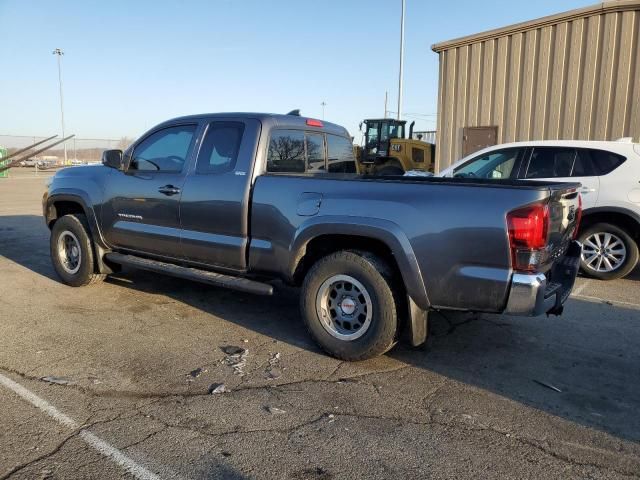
<point x="610" y="176"/>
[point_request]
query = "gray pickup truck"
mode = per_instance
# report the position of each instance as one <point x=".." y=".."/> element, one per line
<point x="237" y="200"/>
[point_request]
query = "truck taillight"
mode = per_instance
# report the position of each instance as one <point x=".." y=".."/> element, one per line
<point x="578" y="217"/>
<point x="528" y="231"/>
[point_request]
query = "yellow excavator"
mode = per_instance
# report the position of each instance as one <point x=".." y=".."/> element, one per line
<point x="386" y="151"/>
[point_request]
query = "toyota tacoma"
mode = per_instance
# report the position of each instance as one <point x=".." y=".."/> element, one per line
<point x="239" y="199"/>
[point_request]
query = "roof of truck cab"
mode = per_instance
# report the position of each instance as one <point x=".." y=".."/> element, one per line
<point x="267" y="119"/>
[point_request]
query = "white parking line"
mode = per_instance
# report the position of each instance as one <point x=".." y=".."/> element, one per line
<point x="613" y="302"/>
<point x="580" y="288"/>
<point x="92" y="440"/>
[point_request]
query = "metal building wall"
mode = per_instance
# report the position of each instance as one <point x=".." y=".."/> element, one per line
<point x="575" y="79"/>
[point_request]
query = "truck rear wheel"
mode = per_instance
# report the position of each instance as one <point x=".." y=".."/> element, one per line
<point x="72" y="252"/>
<point x="349" y="305"/>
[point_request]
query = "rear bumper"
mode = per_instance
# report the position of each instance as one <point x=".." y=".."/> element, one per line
<point x="535" y="294"/>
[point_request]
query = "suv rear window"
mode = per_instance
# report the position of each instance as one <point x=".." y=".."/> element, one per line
<point x="605" y="162"/>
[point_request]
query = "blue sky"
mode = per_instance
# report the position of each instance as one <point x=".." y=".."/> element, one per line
<point x="130" y="65"/>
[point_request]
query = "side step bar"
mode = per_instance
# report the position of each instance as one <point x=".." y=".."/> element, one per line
<point x="197" y="275"/>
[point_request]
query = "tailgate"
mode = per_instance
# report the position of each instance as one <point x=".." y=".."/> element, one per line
<point x="565" y="207"/>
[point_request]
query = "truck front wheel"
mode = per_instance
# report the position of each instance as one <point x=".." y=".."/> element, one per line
<point x="72" y="252"/>
<point x="349" y="305"/>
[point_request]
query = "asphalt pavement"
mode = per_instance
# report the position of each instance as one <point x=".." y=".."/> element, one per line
<point x="145" y="376"/>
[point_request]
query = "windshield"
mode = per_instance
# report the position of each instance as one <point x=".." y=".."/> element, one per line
<point x="497" y="164"/>
<point x="392" y="130"/>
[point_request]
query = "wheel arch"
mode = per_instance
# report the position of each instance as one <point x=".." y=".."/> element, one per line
<point x="323" y="236"/>
<point x="621" y="217"/>
<point x="65" y="203"/>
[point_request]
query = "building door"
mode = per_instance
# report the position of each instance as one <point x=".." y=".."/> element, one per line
<point x="477" y="138"/>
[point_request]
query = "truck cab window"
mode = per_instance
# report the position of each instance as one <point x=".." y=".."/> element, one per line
<point x="315" y="153"/>
<point x="220" y="147"/>
<point x="286" y="152"/>
<point x="497" y="165"/>
<point x="341" y="159"/>
<point x="163" y="151"/>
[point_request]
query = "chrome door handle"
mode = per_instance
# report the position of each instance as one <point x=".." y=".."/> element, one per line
<point x="169" y="190"/>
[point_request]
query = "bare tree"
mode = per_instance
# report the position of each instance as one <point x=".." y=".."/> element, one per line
<point x="286" y="154"/>
<point x="125" y="142"/>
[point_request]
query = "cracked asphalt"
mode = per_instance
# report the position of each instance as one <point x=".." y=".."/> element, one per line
<point x="132" y="361"/>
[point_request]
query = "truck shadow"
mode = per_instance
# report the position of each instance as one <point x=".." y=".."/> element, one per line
<point x="590" y="354"/>
<point x="513" y="357"/>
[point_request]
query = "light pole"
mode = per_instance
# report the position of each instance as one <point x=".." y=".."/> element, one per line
<point x="401" y="61"/>
<point x="386" y="95"/>
<point x="324" y="104"/>
<point x="59" y="53"/>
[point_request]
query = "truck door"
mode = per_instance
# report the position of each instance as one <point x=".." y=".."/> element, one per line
<point x="214" y="208"/>
<point x="141" y="207"/>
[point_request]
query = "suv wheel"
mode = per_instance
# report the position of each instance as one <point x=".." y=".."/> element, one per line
<point x="608" y="252"/>
<point x="349" y="305"/>
<point x="72" y="252"/>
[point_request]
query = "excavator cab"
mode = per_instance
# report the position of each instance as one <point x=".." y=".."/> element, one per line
<point x="388" y="150"/>
<point x="377" y="137"/>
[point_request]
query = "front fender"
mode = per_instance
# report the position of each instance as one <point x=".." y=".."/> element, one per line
<point x="77" y="196"/>
<point x="82" y="198"/>
<point x="382" y="230"/>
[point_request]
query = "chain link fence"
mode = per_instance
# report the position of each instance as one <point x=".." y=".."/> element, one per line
<point x="79" y="150"/>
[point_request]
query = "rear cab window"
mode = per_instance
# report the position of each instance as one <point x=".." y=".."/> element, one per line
<point x="340" y="155"/>
<point x="300" y="151"/>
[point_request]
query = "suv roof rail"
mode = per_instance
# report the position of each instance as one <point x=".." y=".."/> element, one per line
<point x="625" y="140"/>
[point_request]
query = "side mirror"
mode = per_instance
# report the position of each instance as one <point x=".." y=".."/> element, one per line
<point x="112" y="159"/>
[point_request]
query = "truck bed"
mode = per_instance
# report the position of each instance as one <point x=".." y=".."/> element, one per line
<point x="454" y="229"/>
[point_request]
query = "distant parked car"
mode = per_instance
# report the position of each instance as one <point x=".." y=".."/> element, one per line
<point x="47" y="163"/>
<point x="610" y="177"/>
<point x="29" y="162"/>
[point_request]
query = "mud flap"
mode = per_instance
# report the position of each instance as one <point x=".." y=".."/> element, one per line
<point x="418" y="324"/>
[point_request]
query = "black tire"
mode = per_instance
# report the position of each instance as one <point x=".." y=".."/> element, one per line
<point x="70" y="226"/>
<point x="376" y="277"/>
<point x="631" y="247"/>
<point x="390" y="171"/>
